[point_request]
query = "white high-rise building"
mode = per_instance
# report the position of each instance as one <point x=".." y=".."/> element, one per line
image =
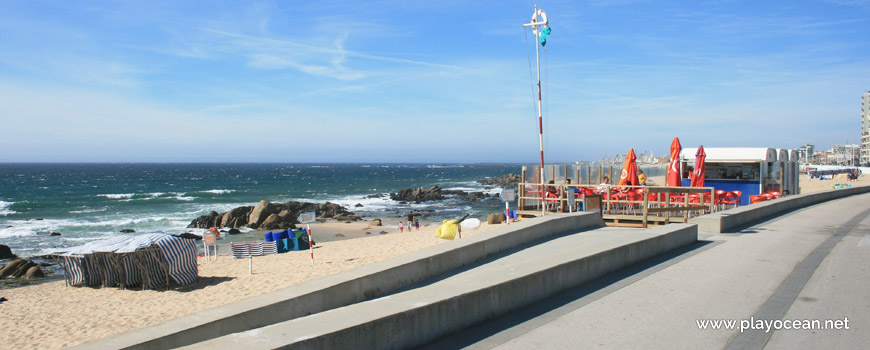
<point x="865" y="128"/>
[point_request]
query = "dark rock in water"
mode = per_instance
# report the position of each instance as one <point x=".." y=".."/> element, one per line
<point x="6" y="252"/>
<point x="358" y="205"/>
<point x="378" y="195"/>
<point x="128" y="230"/>
<point x="16" y="268"/>
<point x="54" y="234"/>
<point x="234" y="231"/>
<point x="211" y="219"/>
<point x="376" y="222"/>
<point x="39" y="219"/>
<point x="189" y="235"/>
<point x="268" y="215"/>
<point x="33" y="273"/>
<point x="506" y="181"/>
<point x="418" y="195"/>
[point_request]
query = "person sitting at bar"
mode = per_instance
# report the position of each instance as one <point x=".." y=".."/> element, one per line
<point x="603" y="186"/>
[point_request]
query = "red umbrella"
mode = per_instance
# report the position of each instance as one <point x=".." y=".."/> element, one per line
<point x="629" y="170"/>
<point x="674" y="176"/>
<point x="698" y="173"/>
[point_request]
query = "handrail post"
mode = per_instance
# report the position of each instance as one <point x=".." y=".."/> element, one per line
<point x="645" y="205"/>
<point x="686" y="207"/>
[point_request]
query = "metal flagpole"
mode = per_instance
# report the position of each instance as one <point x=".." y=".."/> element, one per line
<point x="534" y="25"/>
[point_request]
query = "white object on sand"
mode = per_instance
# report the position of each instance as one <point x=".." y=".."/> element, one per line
<point x="470" y="224"/>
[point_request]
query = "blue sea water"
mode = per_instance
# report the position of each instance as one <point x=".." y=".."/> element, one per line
<point x="86" y="202"/>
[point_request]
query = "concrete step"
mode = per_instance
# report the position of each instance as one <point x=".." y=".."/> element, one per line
<point x="426" y="312"/>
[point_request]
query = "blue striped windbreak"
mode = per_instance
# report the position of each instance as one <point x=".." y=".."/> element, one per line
<point x="147" y="260"/>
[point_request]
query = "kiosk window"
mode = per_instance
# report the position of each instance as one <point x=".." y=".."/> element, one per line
<point x="730" y="171"/>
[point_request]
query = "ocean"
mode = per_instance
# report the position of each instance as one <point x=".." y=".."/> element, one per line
<point x="86" y="202"/>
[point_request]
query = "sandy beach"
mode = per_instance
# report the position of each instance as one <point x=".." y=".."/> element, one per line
<point x="53" y="316"/>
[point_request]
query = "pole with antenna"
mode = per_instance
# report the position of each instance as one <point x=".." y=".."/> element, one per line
<point x="539" y="22"/>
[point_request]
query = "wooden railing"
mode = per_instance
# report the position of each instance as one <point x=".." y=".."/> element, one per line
<point x="641" y="201"/>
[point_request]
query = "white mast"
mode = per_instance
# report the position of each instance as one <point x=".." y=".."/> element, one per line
<point x="537" y="27"/>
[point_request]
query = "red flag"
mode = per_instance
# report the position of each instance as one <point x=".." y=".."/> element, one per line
<point x="629" y="170"/>
<point x="674" y="176"/>
<point x="698" y="173"/>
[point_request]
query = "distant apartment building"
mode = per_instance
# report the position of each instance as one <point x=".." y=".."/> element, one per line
<point x="865" y="128"/>
<point x="805" y="153"/>
<point x="842" y="155"/>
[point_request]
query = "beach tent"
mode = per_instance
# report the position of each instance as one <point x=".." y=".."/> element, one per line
<point x="674" y="172"/>
<point x="149" y="260"/>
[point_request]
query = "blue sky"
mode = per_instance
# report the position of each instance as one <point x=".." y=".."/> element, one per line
<point x="434" y="81"/>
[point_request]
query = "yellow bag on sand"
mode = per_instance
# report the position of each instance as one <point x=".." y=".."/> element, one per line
<point x="447" y="230"/>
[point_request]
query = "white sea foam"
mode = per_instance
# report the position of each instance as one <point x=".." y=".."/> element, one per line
<point x="89" y="210"/>
<point x="91" y="226"/>
<point x="181" y="197"/>
<point x="4" y="208"/>
<point x="219" y="191"/>
<point x="117" y="195"/>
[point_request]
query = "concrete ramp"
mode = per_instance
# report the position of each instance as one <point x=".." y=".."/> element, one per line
<point x="418" y="315"/>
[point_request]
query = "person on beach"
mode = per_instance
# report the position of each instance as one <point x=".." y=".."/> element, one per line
<point x="417" y="224"/>
<point x="410" y="218"/>
<point x="641" y="177"/>
<point x="402" y="227"/>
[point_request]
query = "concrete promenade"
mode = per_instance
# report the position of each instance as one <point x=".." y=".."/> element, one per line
<point x="805" y="265"/>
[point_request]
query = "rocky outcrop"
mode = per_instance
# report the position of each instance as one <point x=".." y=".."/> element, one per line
<point x="421" y="194"/>
<point x="434" y="193"/>
<point x="212" y="219"/>
<point x="21" y="268"/>
<point x="237" y="217"/>
<point x="268" y="216"/>
<point x="33" y="273"/>
<point x="506" y="181"/>
<point x="6" y="253"/>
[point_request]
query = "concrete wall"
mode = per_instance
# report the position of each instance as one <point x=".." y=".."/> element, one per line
<point x="421" y="315"/>
<point x="345" y="288"/>
<point x="731" y="219"/>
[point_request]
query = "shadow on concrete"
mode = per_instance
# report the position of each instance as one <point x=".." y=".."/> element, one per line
<point x="504" y="328"/>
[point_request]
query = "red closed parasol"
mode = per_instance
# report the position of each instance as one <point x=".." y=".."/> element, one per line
<point x="629" y="170"/>
<point x="698" y="173"/>
<point x="674" y="176"/>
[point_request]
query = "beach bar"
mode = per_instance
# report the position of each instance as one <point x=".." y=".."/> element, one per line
<point x="751" y="171"/>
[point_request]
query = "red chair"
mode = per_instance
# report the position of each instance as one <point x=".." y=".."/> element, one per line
<point x="733" y="198"/>
<point x="718" y="198"/>
<point x="758" y="198"/>
<point x="775" y="194"/>
<point x="635" y="195"/>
